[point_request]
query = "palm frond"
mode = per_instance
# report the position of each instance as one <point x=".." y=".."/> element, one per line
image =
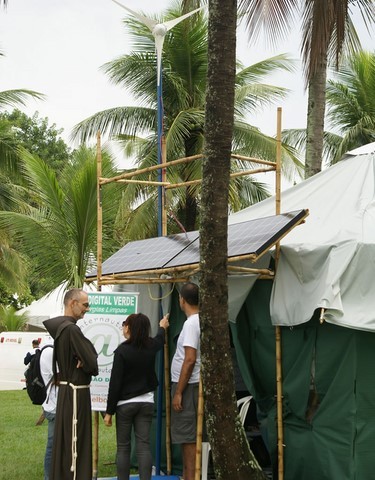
<point x="131" y="121"/>
<point x="18" y="97"/>
<point x="274" y="17"/>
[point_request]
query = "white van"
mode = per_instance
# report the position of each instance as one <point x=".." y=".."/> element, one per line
<point x="13" y="348"/>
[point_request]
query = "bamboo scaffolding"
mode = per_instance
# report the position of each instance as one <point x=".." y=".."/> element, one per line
<point x="172" y="163"/>
<point x="184" y="272"/>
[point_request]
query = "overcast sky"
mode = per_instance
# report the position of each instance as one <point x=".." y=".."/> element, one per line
<point x="57" y="47"/>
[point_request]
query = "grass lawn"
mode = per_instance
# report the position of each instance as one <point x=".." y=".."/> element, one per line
<point x="23" y="443"/>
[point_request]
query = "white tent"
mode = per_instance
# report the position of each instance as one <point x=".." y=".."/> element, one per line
<point x="328" y="262"/>
<point x="51" y="305"/>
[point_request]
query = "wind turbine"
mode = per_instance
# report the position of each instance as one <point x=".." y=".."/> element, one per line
<point x="159" y="31"/>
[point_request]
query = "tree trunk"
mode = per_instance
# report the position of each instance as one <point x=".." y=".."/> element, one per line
<point x="315" y="120"/>
<point x="231" y="453"/>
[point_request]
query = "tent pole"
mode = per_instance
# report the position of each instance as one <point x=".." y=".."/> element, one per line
<point x="279" y="384"/>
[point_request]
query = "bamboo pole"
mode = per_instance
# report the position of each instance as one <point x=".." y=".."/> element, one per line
<point x="167" y="388"/>
<point x="279" y="385"/>
<point x="253" y="160"/>
<point x="95" y="456"/>
<point x="232" y="175"/>
<point x="99" y="209"/>
<point x="150" y="169"/>
<point x="278" y="162"/>
<point x="95" y="453"/>
<point x="143" y="281"/>
<point x="177" y="162"/>
<point x="255" y="271"/>
<point x="279" y="392"/>
<point x="144" y="182"/>
<point x="198" y="452"/>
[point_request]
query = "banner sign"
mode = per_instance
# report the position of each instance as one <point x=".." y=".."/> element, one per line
<point x="102" y="325"/>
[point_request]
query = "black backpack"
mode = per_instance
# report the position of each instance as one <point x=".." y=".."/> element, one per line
<point x="35" y="386"/>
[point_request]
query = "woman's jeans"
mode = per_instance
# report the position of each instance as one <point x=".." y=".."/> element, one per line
<point x="138" y="415"/>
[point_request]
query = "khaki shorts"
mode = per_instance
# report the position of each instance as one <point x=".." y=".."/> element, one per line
<point x="184" y="423"/>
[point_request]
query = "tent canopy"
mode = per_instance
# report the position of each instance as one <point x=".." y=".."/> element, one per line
<point x="51" y="305"/>
<point x="328" y="262"/>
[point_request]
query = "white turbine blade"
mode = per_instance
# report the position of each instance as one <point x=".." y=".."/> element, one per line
<point x="159" y="41"/>
<point x="171" y="23"/>
<point x="149" y="22"/>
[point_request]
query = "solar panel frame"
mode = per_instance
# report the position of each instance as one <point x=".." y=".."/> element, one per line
<point x="173" y="251"/>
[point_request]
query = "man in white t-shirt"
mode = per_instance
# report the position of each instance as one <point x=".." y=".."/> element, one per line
<point x="185" y="372"/>
<point x="49" y="406"/>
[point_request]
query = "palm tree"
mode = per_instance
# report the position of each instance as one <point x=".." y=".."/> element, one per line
<point x="351" y="104"/>
<point x="217" y="372"/>
<point x="327" y="32"/>
<point x="11" y="321"/>
<point x="350" y="109"/>
<point x="12" y="264"/>
<point x="57" y="227"/>
<point x="8" y="144"/>
<point x="184" y="84"/>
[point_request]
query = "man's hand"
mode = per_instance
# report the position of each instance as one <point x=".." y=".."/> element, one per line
<point x="79" y="363"/>
<point x="108" y="420"/>
<point x="177" y="402"/>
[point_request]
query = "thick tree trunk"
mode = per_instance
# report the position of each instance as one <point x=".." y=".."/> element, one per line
<point x="315" y="120"/>
<point x="231" y="454"/>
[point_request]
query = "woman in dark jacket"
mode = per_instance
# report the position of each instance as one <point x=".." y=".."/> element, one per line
<point x="131" y="392"/>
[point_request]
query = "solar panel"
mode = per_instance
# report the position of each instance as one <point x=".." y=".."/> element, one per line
<point x="253" y="237"/>
<point x="246" y="238"/>
<point x="149" y="254"/>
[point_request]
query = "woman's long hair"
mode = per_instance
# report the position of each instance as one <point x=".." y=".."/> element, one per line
<point x="140" y="329"/>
